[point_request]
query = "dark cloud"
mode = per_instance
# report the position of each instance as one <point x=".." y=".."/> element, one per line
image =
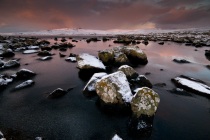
<point x="28" y="15"/>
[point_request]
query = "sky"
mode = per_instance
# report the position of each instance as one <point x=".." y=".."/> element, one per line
<point x="35" y="15"/>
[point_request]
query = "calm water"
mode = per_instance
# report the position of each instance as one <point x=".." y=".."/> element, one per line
<point x="27" y="113"/>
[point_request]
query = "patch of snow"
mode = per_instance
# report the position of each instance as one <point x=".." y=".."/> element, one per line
<point x="91" y="83"/>
<point x="200" y="87"/>
<point x="30" y="51"/>
<point x="116" y="137"/>
<point x="33" y="47"/>
<point x="90" y="60"/>
<point x="45" y="58"/>
<point x="72" y="59"/>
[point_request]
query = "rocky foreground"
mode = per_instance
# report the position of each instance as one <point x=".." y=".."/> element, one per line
<point x="123" y="91"/>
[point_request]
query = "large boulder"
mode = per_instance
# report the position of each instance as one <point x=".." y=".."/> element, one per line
<point x="135" y="55"/>
<point x="144" y="102"/>
<point x="89" y="89"/>
<point x="25" y="74"/>
<point x="114" y="89"/>
<point x="128" y="71"/>
<point x="192" y="85"/>
<point x="86" y="61"/>
<point x="106" y="56"/>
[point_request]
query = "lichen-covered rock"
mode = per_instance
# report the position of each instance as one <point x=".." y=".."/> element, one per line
<point x="25" y="84"/>
<point x="136" y="55"/>
<point x="89" y="89"/>
<point x="86" y="61"/>
<point x="121" y="59"/>
<point x="57" y="93"/>
<point x="106" y="56"/>
<point x="11" y="64"/>
<point x="25" y="74"/>
<point x="144" y="102"/>
<point x="128" y="71"/>
<point x="114" y="89"/>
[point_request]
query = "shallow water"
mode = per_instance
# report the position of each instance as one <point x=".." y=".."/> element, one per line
<point x="27" y="113"/>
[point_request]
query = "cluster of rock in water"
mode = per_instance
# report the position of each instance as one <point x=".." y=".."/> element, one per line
<point x="122" y="91"/>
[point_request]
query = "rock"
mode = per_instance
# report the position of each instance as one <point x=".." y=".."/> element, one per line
<point x="128" y="71"/>
<point x="121" y="59"/>
<point x="89" y="90"/>
<point x="7" y="53"/>
<point x="161" y="43"/>
<point x="66" y="45"/>
<point x="1" y="63"/>
<point x="193" y="85"/>
<point x="105" y="39"/>
<point x="38" y="138"/>
<point x="114" y="89"/>
<point x="145" y="42"/>
<point x="11" y="64"/>
<point x="144" y="105"/>
<point x="61" y="55"/>
<point x="116" y="137"/>
<point x="136" y="55"/>
<point x="71" y="59"/>
<point x="44" y="53"/>
<point x="142" y="81"/>
<point x="181" y="61"/>
<point x="144" y="102"/>
<point x="57" y="93"/>
<point x="46" y="48"/>
<point x="45" y="58"/>
<point x="207" y="54"/>
<point x="4" y="81"/>
<point x="30" y="51"/>
<point x="25" y="84"/>
<point x="25" y="74"/>
<point x="106" y="56"/>
<point x="92" y="39"/>
<point x="43" y="42"/>
<point x="86" y="61"/>
<point x="63" y="39"/>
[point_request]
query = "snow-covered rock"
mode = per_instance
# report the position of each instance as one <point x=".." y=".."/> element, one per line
<point x="114" y="89"/>
<point x="11" y="64"/>
<point x="87" y="61"/>
<point x="71" y="59"/>
<point x="38" y="138"/>
<point x="4" y="81"/>
<point x="144" y="102"/>
<point x="191" y="84"/>
<point x="2" y="136"/>
<point x="57" y="93"/>
<point x="90" y="86"/>
<point x="45" y="58"/>
<point x="30" y="51"/>
<point x="44" y="53"/>
<point x="33" y="47"/>
<point x="25" y="74"/>
<point x="24" y="84"/>
<point x="141" y="81"/>
<point x="116" y="137"/>
<point x="128" y="71"/>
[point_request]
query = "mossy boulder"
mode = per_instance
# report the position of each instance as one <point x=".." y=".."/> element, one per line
<point x="114" y="89"/>
<point x="106" y="56"/>
<point x="121" y="59"/>
<point x="135" y="55"/>
<point x="144" y="102"/>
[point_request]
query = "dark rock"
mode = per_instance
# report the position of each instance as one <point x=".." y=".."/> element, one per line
<point x="145" y="42"/>
<point x="95" y="39"/>
<point x="44" y="53"/>
<point x="43" y="42"/>
<point x="46" y="48"/>
<point x="181" y="61"/>
<point x="25" y="74"/>
<point x="7" y="53"/>
<point x="25" y="84"/>
<point x="57" y="93"/>
<point x="141" y="81"/>
<point x="161" y="43"/>
<point x="61" y="55"/>
<point x="11" y="64"/>
<point x="63" y="39"/>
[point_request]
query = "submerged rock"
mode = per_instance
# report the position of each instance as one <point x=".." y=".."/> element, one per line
<point x="193" y="85"/>
<point x="116" y="137"/>
<point x="25" y="84"/>
<point x="114" y="89"/>
<point x="86" y="61"/>
<point x="89" y="89"/>
<point x="57" y="93"/>
<point x="45" y="58"/>
<point x="25" y="74"/>
<point x="128" y="71"/>
<point x="71" y="59"/>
